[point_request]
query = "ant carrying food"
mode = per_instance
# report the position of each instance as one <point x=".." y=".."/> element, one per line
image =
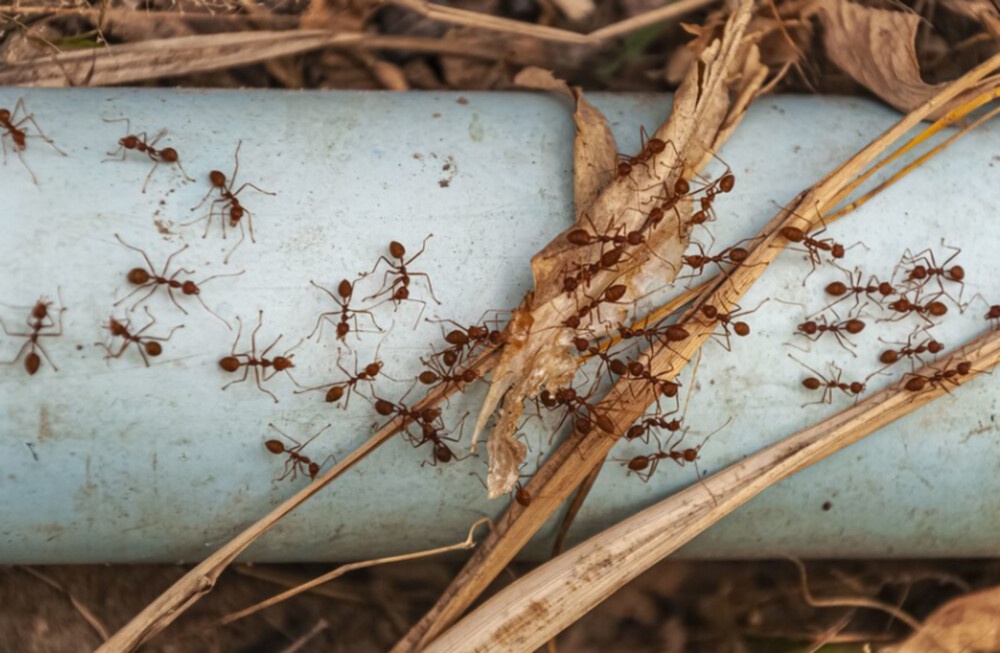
<point x="146" y="345"/>
<point x="11" y="122"/>
<point x="140" y="143"/>
<point x="39" y="319"/>
<point x="231" y="209"/>
<point x="261" y="364"/>
<point x="296" y="460"/>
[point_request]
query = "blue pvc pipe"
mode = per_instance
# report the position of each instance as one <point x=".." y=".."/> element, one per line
<point x="113" y="462"/>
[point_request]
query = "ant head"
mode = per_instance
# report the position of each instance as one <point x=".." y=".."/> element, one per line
<point x="313" y="469"/>
<point x="857" y="387"/>
<point x="964" y="368"/>
<point x="429" y="415"/>
<point x="396" y="249"/>
<point x="40" y="310"/>
<point x="116" y="327"/>
<point x="190" y="288"/>
<point x="934" y="347"/>
<point x="138" y="276"/>
<point x="837" y="251"/>
<point x="275" y="446"/>
<point x="4" y="115"/>
<point x="401" y="293"/>
<point x="343" y="328"/>
<point x="283" y="362"/>
<point x="31" y="363"/>
<point x="217" y="179"/>
<point x="229" y="363"/>
<point x="682" y="186"/>
<point x="522" y="496"/>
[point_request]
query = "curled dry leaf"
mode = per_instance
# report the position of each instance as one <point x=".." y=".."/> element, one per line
<point x="877" y="48"/>
<point x="968" y="623"/>
<point x="542" y="357"/>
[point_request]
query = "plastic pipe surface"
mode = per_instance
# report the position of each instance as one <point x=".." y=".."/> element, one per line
<point x="111" y="461"/>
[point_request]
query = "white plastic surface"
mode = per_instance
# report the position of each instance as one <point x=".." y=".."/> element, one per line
<point x="111" y="461"/>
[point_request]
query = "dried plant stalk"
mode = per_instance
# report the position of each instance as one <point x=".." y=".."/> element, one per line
<point x="528" y="613"/>
<point x="569" y="465"/>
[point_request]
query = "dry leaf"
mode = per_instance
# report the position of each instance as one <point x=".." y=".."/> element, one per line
<point x="985" y="11"/>
<point x="877" y="48"/>
<point x="968" y="623"/>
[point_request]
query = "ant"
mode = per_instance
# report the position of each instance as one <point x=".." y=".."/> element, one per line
<point x="346" y="290"/>
<point x="38" y="319"/>
<point x="149" y="277"/>
<point x="641" y="430"/>
<point x="11" y="125"/>
<point x="470" y="337"/>
<point x="740" y="328"/>
<point x="611" y="295"/>
<point x="296" y="461"/>
<point x="578" y="404"/>
<point x="918" y="382"/>
<point x="147" y="345"/>
<point x="734" y="254"/>
<point x="814" y="329"/>
<point x="926" y="268"/>
<point x="249" y="359"/>
<point x="139" y="143"/>
<point x="875" y="290"/>
<point x="399" y="289"/>
<point x="439" y="375"/>
<point x="227" y="198"/>
<point x="337" y="390"/>
<point x="855" y="388"/>
<point x="644" y="466"/>
<point x="902" y="306"/>
<point x="813" y="246"/>
<point x="649" y="147"/>
<point x="892" y="356"/>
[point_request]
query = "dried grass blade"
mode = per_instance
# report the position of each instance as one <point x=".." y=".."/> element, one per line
<point x="568" y="466"/>
<point x="526" y="614"/>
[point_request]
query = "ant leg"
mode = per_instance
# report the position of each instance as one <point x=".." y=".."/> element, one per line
<point x="429" y="286"/>
<point x="225" y="261"/>
<point x="253" y="186"/>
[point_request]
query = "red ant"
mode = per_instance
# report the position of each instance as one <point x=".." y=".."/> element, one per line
<point x="249" y="359"/>
<point x="337" y="390"/>
<point x="611" y="295"/>
<point x="11" y="125"/>
<point x="38" y="320"/>
<point x="439" y="375"/>
<point x="875" y="290"/>
<point x="855" y="388"/>
<point x="892" y="356"/>
<point x="429" y="420"/>
<point x="649" y="147"/>
<point x="641" y="430"/>
<point x="814" y="329"/>
<point x="813" y="246"/>
<point x="644" y="466"/>
<point x="147" y="345"/>
<point x="346" y="290"/>
<point x="927" y="268"/>
<point x="149" y="277"/>
<point x="399" y="289"/>
<point x="740" y="328"/>
<point x="296" y="461"/>
<point x="470" y="337"/>
<point x="580" y="405"/>
<point x="139" y="143"/>
<point x="735" y="255"/>
<point x="903" y="306"/>
<point x="918" y="382"/>
<point x="227" y="198"/>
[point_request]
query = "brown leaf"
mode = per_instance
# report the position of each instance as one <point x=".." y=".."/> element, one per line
<point x="876" y="48"/>
<point x="968" y="623"/>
